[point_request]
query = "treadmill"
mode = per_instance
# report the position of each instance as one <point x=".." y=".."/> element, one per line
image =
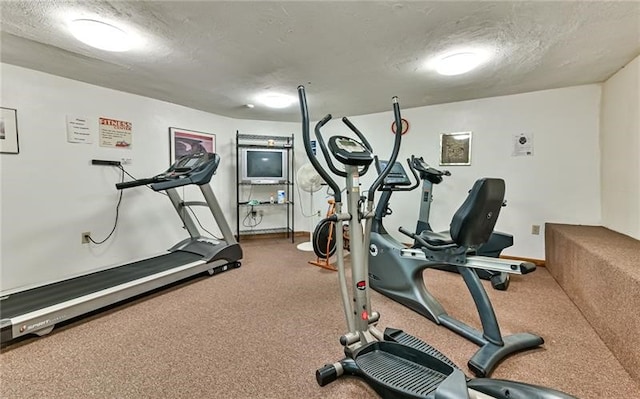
<point x="37" y="310"/>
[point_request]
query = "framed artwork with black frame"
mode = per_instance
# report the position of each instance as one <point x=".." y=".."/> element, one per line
<point x="9" y="131"/>
<point x="455" y="148"/>
<point x="184" y="142"/>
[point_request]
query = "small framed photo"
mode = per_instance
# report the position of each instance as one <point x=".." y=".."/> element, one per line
<point x="8" y="131"/>
<point x="184" y="142"/>
<point x="455" y="148"/>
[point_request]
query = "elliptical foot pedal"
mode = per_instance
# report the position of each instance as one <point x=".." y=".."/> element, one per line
<point x="395" y="370"/>
<point x="401" y="337"/>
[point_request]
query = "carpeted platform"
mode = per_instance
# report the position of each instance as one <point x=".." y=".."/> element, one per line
<point x="599" y="269"/>
<point x="262" y="330"/>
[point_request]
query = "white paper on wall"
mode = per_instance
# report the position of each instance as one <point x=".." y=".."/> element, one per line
<point x="79" y="130"/>
<point x="522" y="145"/>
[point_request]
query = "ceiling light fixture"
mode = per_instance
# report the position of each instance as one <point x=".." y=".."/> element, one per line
<point x="276" y="100"/>
<point x="459" y="63"/>
<point x="100" y="35"/>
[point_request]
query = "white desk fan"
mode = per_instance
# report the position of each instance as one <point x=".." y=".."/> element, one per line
<point x="310" y="181"/>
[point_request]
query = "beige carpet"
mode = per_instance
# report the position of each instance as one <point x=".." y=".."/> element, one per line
<point x="262" y="330"/>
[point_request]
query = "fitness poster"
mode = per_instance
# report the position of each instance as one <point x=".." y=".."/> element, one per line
<point x="115" y="133"/>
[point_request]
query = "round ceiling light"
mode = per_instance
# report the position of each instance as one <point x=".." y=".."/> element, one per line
<point x="459" y="63"/>
<point x="276" y="100"/>
<point x="100" y="35"/>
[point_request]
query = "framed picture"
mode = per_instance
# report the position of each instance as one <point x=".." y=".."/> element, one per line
<point x="455" y="148"/>
<point x="8" y="131"/>
<point x="183" y="142"/>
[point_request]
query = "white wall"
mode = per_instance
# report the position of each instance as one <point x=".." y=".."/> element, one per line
<point x="560" y="183"/>
<point x="50" y="193"/>
<point x="620" y="143"/>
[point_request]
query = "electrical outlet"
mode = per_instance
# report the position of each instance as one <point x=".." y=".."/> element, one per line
<point x="535" y="229"/>
<point x="126" y="161"/>
<point x="260" y="212"/>
<point x="85" y="237"/>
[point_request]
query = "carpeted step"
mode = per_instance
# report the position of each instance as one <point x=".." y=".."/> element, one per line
<point x="599" y="269"/>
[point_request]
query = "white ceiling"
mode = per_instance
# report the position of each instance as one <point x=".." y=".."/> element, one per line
<point x="352" y="56"/>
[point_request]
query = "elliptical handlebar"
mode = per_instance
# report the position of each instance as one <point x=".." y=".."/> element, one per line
<point x="323" y="147"/>
<point x="394" y="153"/>
<point x="354" y="129"/>
<point x="337" y="194"/>
<point x="364" y="140"/>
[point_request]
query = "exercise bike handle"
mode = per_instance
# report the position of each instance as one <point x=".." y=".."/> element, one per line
<point x="434" y="175"/>
<point x="410" y="188"/>
<point x="307" y="145"/>
<point x="422" y="242"/>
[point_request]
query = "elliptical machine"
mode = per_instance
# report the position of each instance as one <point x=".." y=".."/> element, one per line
<point x="394" y="363"/>
<point x="497" y="241"/>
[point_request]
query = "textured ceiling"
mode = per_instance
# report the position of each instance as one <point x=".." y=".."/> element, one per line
<point x="353" y="56"/>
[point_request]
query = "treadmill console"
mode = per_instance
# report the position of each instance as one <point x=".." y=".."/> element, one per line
<point x="189" y="169"/>
<point x="195" y="168"/>
<point x="396" y="177"/>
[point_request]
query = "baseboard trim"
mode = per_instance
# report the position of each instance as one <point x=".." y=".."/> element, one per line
<point x="272" y="235"/>
<point x="537" y="262"/>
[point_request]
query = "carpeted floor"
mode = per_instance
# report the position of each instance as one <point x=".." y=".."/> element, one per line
<point x="262" y="330"/>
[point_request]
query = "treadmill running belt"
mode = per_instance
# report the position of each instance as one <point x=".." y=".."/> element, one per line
<point x="51" y="294"/>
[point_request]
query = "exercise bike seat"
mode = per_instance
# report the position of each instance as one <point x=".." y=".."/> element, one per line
<point x="473" y="222"/>
<point x="435" y="238"/>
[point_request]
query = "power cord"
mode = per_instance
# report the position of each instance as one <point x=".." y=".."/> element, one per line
<point x="250" y="220"/>
<point x="115" y="224"/>
<point x="201" y="226"/>
<point x="183" y="195"/>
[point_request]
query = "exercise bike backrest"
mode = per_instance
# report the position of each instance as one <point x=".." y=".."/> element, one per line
<point x="474" y="221"/>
